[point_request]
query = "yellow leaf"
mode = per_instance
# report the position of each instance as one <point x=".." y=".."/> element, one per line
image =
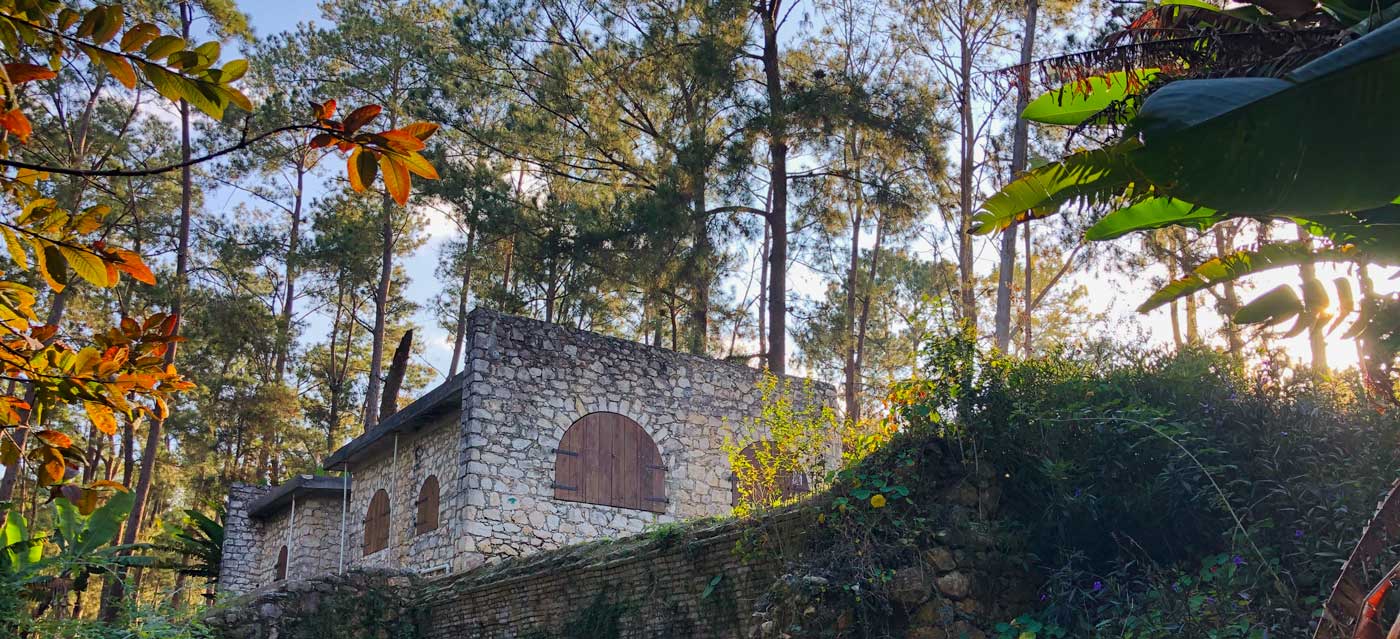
<point x="420" y="166"/>
<point x="138" y="36"/>
<point x="102" y="417"/>
<point x="16" y="248"/>
<point x="877" y="501"/>
<point x="120" y="69"/>
<point x="87" y="265"/>
<point x="163" y="46"/>
<point x="51" y="265"/>
<point x="395" y="178"/>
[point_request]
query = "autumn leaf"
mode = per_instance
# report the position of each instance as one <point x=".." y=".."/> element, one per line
<point x="420" y="166"/>
<point x="54" y="438"/>
<point x="107" y="483"/>
<point x="15" y="122"/>
<point x="361" y="116"/>
<point x="51" y="465"/>
<point x="362" y="169"/>
<point x="21" y="72"/>
<point x="130" y="262"/>
<point x="421" y="130"/>
<point x="102" y="417"/>
<point x="395" y="178"/>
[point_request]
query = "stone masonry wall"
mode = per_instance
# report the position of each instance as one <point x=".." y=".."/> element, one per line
<point x="242" y="540"/>
<point x="531" y="380"/>
<point x="310" y="529"/>
<point x="433" y="450"/>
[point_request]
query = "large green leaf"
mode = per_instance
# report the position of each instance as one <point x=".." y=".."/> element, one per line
<point x="1323" y="138"/>
<point x="1273" y="307"/>
<point x="1097" y="175"/>
<point x="1242" y="263"/>
<point x="1155" y="213"/>
<point x="1075" y="103"/>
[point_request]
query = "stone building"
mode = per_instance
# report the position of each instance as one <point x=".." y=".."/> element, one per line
<point x="550" y="436"/>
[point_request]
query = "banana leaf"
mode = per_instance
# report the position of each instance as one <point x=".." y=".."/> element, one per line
<point x="1321" y="139"/>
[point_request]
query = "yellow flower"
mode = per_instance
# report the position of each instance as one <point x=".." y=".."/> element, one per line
<point x="878" y="501"/>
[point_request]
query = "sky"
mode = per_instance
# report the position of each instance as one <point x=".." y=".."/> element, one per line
<point x="1116" y="295"/>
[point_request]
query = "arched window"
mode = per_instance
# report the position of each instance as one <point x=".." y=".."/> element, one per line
<point x="377" y="523"/>
<point x="281" y="564"/>
<point x="427" y="506"/>
<point x="786" y="483"/>
<point x="607" y="459"/>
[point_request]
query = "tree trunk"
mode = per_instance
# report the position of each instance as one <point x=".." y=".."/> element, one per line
<point x="397" y="369"/>
<point x="777" y="172"/>
<point x="864" y="322"/>
<point x="966" y="278"/>
<point x="1030" y="295"/>
<point x="1232" y="299"/>
<point x="150" y="452"/>
<point x="1317" y="335"/>
<point x="284" y="323"/>
<point x="852" y="282"/>
<point x="460" y="338"/>
<point x="1020" y="135"/>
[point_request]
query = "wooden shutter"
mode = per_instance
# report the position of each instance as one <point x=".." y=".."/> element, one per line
<point x="427" y="506"/>
<point x="610" y="460"/>
<point x="281" y="564"/>
<point x="377" y="523"/>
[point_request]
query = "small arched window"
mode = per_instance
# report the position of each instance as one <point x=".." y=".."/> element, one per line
<point x="281" y="564"/>
<point x="760" y="456"/>
<point x="608" y="459"/>
<point x="377" y="523"/>
<point x="427" y="506"/>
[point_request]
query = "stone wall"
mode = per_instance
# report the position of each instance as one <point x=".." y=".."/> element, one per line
<point x="531" y="380"/>
<point x="400" y="469"/>
<point x="310" y="531"/>
<point x="528" y="382"/>
<point x="242" y="540"/>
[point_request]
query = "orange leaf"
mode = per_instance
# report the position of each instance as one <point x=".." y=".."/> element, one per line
<point x="21" y="72"/>
<point x="15" y="122"/>
<point x="395" y="178"/>
<point x="361" y="116"/>
<point x="51" y="466"/>
<point x="421" y="130"/>
<point x="321" y="139"/>
<point x="107" y="483"/>
<point x="130" y="263"/>
<point x="402" y="141"/>
<point x="323" y="111"/>
<point x="102" y="417"/>
<point x="54" y="438"/>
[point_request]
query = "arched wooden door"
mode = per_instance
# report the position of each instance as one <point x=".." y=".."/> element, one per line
<point x="608" y="459"/>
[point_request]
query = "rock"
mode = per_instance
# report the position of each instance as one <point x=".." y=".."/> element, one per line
<point x="955" y="585"/>
<point x="929" y="614"/>
<point x="941" y="558"/>
<point x="965" y="630"/>
<point x="910" y="587"/>
<point x="270" y="611"/>
<point x="926" y="632"/>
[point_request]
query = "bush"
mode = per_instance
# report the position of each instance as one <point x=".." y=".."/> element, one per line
<point x="1166" y="494"/>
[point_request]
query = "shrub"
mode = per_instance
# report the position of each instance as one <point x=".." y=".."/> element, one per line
<point x="1136" y="479"/>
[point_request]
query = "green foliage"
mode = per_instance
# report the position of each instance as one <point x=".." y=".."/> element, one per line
<point x="1166" y="494"/>
<point x="785" y="449"/>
